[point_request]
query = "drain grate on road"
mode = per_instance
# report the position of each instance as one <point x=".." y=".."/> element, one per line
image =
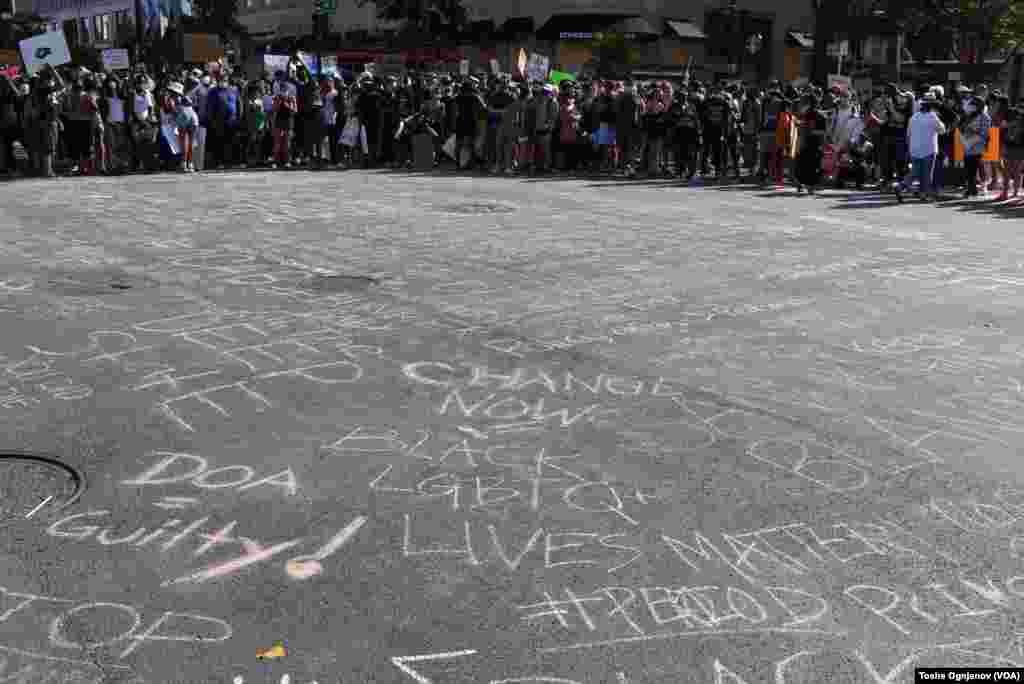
<point x="30" y="485"/>
<point x="478" y="208"/>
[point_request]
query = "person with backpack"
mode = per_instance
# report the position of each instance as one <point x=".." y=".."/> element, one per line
<point x="45" y="120"/>
<point x="686" y="121"/>
<point x="498" y="106"/>
<point x="469" y="107"/>
<point x="545" y="121"/>
<point x="751" y="115"/>
<point x="717" y="113"/>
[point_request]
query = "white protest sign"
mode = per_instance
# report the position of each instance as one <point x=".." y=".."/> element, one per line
<point x="537" y="69"/>
<point x="275" y="63"/>
<point x="842" y="82"/>
<point x="495" y="67"/>
<point x="115" y="59"/>
<point x="46" y="48"/>
<point x="464" y="67"/>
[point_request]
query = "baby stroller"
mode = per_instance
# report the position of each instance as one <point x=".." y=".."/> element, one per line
<point x="853" y="163"/>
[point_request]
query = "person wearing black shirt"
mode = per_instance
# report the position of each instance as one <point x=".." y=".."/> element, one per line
<point x="716" y="125"/>
<point x="949" y="117"/>
<point x="899" y="109"/>
<point x="813" y="126"/>
<point x="686" y="120"/>
<point x="498" y="103"/>
<point x="468" y="108"/>
<point x="369" y="115"/>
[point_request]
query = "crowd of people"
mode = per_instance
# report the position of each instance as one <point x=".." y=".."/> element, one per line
<point x="929" y="141"/>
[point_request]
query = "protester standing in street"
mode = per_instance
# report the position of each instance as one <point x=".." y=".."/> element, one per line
<point x="285" y="106"/>
<point x="46" y="122"/>
<point x="813" y="128"/>
<point x="545" y="121"/>
<point x="923" y="139"/>
<point x="974" y="132"/>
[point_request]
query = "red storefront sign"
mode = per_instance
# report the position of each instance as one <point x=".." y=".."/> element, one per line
<point x="360" y="55"/>
<point x="430" y="55"/>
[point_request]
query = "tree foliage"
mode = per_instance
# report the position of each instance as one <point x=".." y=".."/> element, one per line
<point x="1008" y="32"/>
<point x="949" y="26"/>
<point x="218" y="16"/>
<point x="427" y="15"/>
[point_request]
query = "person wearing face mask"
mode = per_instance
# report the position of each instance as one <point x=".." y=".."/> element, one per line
<point x="143" y="126"/>
<point x="112" y="109"/>
<point x="923" y="140"/>
<point x="894" y="136"/>
<point x="974" y="132"/>
<point x="45" y="120"/>
<point x="751" y="114"/>
<point x="497" y="107"/>
<point x="284" y="110"/>
<point x="9" y="124"/>
<point x="199" y="95"/>
<point x="771" y="158"/>
<point x="717" y="113"/>
<point x="223" y="116"/>
<point x="629" y="112"/>
<point x="813" y="125"/>
<point x="1013" y="148"/>
<point x="945" y="108"/>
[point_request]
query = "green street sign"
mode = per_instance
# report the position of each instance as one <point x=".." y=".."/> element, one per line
<point x="325" y="6"/>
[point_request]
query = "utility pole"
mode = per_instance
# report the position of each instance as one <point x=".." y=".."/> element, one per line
<point x="140" y="30"/>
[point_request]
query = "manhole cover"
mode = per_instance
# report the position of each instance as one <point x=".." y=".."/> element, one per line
<point x="340" y="283"/>
<point x="478" y="208"/>
<point x="92" y="283"/>
<point x="30" y="485"/>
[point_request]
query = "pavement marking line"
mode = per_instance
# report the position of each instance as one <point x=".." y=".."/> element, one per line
<point x="693" y="633"/>
<point x="41" y="504"/>
<point x="400" y="662"/>
<point x="176" y="502"/>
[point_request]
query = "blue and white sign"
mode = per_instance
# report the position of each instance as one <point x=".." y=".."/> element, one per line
<point x="46" y="48"/>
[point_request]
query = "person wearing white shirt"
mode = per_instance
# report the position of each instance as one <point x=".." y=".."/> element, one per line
<point x="923" y="139"/>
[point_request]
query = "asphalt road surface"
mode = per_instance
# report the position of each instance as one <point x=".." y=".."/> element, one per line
<point x="391" y="428"/>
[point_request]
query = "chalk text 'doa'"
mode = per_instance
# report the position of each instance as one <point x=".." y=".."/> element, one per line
<point x="180" y="468"/>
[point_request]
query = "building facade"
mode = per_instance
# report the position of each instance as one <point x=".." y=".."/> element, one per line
<point x="107" y="22"/>
<point x="716" y="37"/>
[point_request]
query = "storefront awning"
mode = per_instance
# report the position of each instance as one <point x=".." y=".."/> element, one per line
<point x="802" y="40"/>
<point x="686" y="30"/>
<point x="277" y="25"/>
<point x="577" y="26"/>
